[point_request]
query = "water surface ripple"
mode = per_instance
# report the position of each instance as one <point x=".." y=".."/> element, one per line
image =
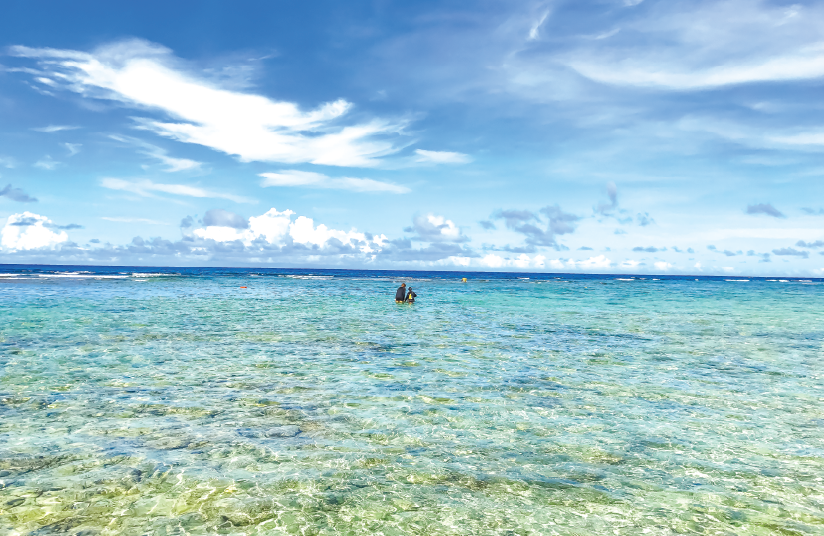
<point x="311" y="403"/>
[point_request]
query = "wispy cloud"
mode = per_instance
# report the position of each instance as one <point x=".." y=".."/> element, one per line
<point x="217" y="217"/>
<point x="813" y="138"/>
<point x="73" y="148"/>
<point x="28" y="221"/>
<point x="147" y="188"/>
<point x="54" y="128"/>
<point x="765" y="208"/>
<point x="791" y="252"/>
<point x="700" y="45"/>
<point x="144" y="75"/>
<point x="16" y="194"/>
<point x="816" y="244"/>
<point x="764" y="257"/>
<point x="612" y="193"/>
<point x="644" y="219"/>
<point x="119" y="219"/>
<point x="606" y="35"/>
<point x="533" y="31"/>
<point x="8" y="162"/>
<point x="528" y="223"/>
<point x="441" y="157"/>
<point x="777" y="138"/>
<point x="309" y="179"/>
<point x="47" y="163"/>
<point x="774" y="69"/>
<point x="172" y="164"/>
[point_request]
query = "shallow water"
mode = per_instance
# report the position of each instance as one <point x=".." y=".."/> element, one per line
<point x="313" y="404"/>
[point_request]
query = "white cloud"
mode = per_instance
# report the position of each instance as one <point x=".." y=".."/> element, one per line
<point x="493" y="261"/>
<point x="27" y="231"/>
<point x="293" y="177"/>
<point x="434" y="228"/>
<point x="271" y="226"/>
<point x="591" y="263"/>
<point x="219" y="233"/>
<point x="146" y="187"/>
<point x="522" y="261"/>
<point x="253" y="127"/>
<point x="303" y="231"/>
<point x="277" y="228"/>
<point x="630" y="264"/>
<point x="662" y="265"/>
<point x="54" y="128"/>
<point x="601" y="261"/>
<point x="441" y="157"/>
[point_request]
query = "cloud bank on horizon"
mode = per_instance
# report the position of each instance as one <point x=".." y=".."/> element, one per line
<point x="625" y="137"/>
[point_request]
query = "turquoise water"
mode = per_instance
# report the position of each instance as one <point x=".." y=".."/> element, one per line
<point x="183" y="404"/>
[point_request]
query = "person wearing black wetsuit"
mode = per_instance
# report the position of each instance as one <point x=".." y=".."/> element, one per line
<point x="400" y="295"/>
<point x="410" y="298"/>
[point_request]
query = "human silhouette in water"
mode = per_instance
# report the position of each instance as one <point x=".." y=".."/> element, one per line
<point x="400" y="294"/>
<point x="410" y="297"/>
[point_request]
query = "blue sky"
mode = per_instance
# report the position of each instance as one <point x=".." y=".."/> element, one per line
<point x="611" y="136"/>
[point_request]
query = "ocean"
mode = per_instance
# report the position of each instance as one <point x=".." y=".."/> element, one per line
<point x="166" y="401"/>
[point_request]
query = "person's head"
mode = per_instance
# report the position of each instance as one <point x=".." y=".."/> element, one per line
<point x="410" y="288"/>
<point x="403" y="284"/>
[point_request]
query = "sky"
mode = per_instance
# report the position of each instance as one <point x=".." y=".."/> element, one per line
<point x="590" y="136"/>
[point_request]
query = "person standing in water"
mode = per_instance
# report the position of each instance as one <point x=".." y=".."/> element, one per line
<point x="400" y="294"/>
<point x="410" y="298"/>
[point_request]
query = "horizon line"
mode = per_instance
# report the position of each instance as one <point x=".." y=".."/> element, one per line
<point x="417" y="270"/>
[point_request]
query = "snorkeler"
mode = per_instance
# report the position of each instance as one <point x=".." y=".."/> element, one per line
<point x="400" y="295"/>
<point x="410" y="298"/>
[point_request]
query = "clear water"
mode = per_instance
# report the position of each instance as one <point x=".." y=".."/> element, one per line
<point x="314" y="405"/>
